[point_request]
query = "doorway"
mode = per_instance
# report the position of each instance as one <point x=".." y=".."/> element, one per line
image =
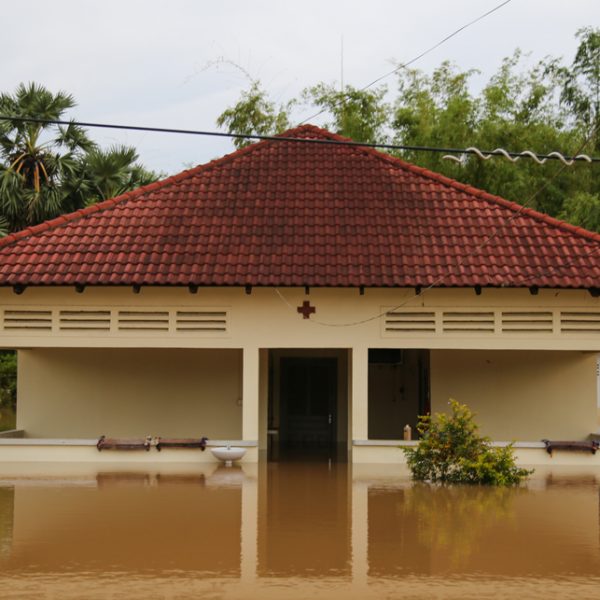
<point x="307" y="405"/>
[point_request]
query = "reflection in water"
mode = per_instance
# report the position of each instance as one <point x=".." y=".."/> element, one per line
<point x="292" y="531"/>
<point x="453" y="522"/>
<point x="303" y="523"/>
<point x="7" y="496"/>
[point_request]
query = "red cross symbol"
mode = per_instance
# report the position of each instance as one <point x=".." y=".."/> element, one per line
<point x="306" y="309"/>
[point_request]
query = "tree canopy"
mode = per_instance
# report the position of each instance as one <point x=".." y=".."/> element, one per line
<point x="549" y="106"/>
<point x="47" y="170"/>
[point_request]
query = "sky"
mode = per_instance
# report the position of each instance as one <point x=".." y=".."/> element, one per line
<point x="171" y="63"/>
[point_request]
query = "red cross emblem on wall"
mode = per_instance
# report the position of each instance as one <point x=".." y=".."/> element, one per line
<point x="306" y="309"/>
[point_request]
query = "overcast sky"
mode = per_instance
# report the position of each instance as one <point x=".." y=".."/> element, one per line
<point x="149" y="62"/>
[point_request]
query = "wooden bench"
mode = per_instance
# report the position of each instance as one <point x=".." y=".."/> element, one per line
<point x="181" y="443"/>
<point x="105" y="443"/>
<point x="590" y="446"/>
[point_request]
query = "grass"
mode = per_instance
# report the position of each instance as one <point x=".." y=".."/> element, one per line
<point x="8" y="419"/>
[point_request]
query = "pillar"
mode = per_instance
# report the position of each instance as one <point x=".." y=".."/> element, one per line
<point x="250" y="394"/>
<point x="360" y="393"/>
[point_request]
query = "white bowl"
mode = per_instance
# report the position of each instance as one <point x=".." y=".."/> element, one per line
<point x="228" y="453"/>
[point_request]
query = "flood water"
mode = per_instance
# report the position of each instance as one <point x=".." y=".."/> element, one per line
<point x="294" y="531"/>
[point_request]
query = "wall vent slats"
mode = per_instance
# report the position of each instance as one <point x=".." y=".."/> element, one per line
<point x="124" y="321"/>
<point x="580" y="322"/>
<point x="527" y="322"/>
<point x="84" y="320"/>
<point x="409" y="322"/>
<point x="468" y="322"/>
<point x="143" y="320"/>
<point x="34" y="320"/>
<point x="201" y="321"/>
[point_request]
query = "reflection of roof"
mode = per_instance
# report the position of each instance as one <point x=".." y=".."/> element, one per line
<point x="293" y="214"/>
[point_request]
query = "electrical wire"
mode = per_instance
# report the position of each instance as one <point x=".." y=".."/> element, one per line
<point x="419" y="56"/>
<point x="328" y="142"/>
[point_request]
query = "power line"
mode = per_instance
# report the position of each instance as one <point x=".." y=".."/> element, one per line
<point x="419" y="56"/>
<point x="278" y="138"/>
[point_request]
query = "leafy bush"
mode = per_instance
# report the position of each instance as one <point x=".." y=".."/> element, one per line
<point x="8" y="379"/>
<point x="450" y="450"/>
<point x="8" y="389"/>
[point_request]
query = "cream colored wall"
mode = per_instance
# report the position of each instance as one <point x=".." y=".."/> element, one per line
<point x="519" y="395"/>
<point x="67" y="393"/>
<point x="267" y="318"/>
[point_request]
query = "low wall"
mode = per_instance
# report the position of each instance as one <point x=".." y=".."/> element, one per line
<point x="85" y="451"/>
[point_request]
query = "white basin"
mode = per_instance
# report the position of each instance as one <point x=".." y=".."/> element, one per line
<point x="228" y="454"/>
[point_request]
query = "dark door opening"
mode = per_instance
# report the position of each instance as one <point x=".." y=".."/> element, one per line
<point x="308" y="397"/>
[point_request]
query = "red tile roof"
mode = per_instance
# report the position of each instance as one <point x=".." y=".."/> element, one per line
<point x="283" y="213"/>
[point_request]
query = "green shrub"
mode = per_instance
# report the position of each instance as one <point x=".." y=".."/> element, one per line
<point x="450" y="450"/>
<point x="8" y="389"/>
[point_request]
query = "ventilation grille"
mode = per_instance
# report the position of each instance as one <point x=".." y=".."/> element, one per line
<point x="408" y="322"/>
<point x="201" y="321"/>
<point x="143" y="320"/>
<point x="527" y="322"/>
<point x="84" y="320"/>
<point x="580" y="322"/>
<point x="36" y="320"/>
<point x="471" y="322"/>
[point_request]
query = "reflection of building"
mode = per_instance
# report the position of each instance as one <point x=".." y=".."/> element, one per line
<point x="296" y="526"/>
<point x="304" y="297"/>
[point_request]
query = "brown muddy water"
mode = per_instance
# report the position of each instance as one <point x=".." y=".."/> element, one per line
<point x="294" y="531"/>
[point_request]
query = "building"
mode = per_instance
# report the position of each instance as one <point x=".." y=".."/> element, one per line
<point x="306" y="295"/>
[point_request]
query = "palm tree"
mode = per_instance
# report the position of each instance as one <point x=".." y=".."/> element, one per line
<point x="46" y="169"/>
<point x="36" y="159"/>
<point x="103" y="174"/>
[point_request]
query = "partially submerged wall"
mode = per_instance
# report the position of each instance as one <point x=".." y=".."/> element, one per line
<point x="519" y="395"/>
<point x="84" y="393"/>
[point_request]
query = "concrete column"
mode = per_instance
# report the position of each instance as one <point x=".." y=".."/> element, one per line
<point x="250" y="394"/>
<point x="360" y="393"/>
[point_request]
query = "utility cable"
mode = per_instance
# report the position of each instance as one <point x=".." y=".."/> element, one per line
<point x="279" y="138"/>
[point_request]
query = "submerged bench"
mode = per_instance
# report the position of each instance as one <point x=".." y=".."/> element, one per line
<point x="181" y="443"/>
<point x="552" y="445"/>
<point x="105" y="443"/>
<point x="148" y="442"/>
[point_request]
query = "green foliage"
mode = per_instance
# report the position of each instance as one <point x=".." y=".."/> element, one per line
<point x="358" y="114"/>
<point x="254" y="114"/>
<point x="8" y="389"/>
<point x="450" y="450"/>
<point x="46" y="170"/>
<point x="582" y="208"/>
<point x="581" y="82"/>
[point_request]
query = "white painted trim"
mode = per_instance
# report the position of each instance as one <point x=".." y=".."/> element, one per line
<point x="46" y="442"/>
<point x="87" y="442"/>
